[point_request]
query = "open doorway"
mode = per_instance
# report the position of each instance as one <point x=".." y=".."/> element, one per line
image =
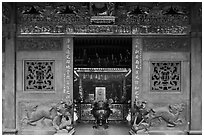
<point x="106" y="63"/>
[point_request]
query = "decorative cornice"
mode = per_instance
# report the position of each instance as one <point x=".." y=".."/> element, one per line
<point x="47" y="29"/>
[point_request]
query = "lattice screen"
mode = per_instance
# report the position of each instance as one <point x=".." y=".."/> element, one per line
<point x="38" y="75"/>
<point x="166" y="76"/>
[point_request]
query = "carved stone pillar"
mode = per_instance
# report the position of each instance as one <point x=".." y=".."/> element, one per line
<point x="196" y="70"/>
<point x="9" y="106"/>
<point x="196" y="85"/>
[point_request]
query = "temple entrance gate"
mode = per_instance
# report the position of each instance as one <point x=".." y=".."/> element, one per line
<point x="157" y="66"/>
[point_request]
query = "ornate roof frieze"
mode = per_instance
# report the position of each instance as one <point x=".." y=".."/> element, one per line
<point x="105" y="17"/>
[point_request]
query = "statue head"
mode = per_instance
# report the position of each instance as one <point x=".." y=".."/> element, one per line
<point x="64" y="107"/>
<point x="176" y="108"/>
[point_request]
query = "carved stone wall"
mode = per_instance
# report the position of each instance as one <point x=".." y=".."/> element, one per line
<point x="166" y="86"/>
<point x="166" y="44"/>
<point x="39" y="44"/>
<point x="39" y="79"/>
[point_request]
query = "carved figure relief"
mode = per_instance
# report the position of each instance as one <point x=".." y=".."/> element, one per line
<point x="170" y="114"/>
<point x="56" y="116"/>
<point x="165" y="76"/>
<point x="39" y="75"/>
<point x="145" y="117"/>
<point x="100" y="8"/>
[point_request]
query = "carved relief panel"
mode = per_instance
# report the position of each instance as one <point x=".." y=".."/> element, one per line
<point x="165" y="76"/>
<point x="37" y="117"/>
<point x="39" y="75"/>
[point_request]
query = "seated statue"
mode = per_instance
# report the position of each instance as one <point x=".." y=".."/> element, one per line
<point x="101" y="111"/>
<point x="141" y="120"/>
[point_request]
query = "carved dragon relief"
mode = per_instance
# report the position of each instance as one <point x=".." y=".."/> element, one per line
<point x="147" y="118"/>
<point x="46" y="116"/>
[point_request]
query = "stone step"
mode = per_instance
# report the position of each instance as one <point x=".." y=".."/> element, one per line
<point x="158" y="132"/>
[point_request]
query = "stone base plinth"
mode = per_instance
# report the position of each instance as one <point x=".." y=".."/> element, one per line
<point x="65" y="132"/>
<point x="38" y="131"/>
<point x="158" y="132"/>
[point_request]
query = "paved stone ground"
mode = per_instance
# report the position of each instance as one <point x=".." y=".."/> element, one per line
<point x="114" y="129"/>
